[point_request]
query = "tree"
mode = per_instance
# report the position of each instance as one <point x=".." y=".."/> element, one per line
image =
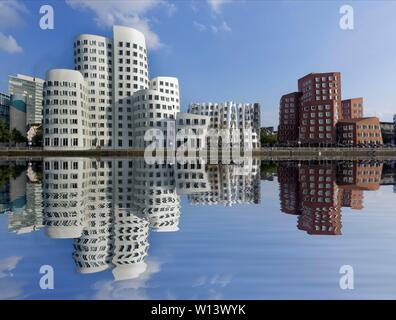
<point x="267" y="138"/>
<point x="37" y="139"/>
<point x="4" y="132"/>
<point x="17" y="136"/>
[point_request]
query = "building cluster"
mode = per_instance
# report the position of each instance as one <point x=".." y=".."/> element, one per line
<point x="22" y="107"/>
<point x="317" y="115"/>
<point x="109" y="101"/>
<point x="109" y="206"/>
<point x="316" y="192"/>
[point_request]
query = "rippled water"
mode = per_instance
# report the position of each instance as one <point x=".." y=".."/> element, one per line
<point x="119" y="229"/>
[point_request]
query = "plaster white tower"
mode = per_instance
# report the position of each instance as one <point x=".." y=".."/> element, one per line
<point x="66" y="114"/>
<point x="93" y="57"/>
<point x="130" y="75"/>
<point x="153" y="108"/>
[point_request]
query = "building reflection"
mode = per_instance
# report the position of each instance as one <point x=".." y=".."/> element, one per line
<point x="317" y="191"/>
<point x="109" y="206"/>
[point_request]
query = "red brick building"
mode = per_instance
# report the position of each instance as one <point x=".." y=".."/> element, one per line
<point x="352" y="108"/>
<point x="363" y="131"/>
<point x="289" y="118"/>
<point x="320" y="107"/>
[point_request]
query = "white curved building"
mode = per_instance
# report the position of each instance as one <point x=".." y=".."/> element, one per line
<point x="66" y="113"/>
<point x="119" y="100"/>
<point x="93" y="57"/>
<point x="153" y="109"/>
<point x="130" y="75"/>
<point x="245" y="117"/>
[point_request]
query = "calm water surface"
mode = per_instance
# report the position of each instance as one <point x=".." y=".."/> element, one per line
<point x="117" y="228"/>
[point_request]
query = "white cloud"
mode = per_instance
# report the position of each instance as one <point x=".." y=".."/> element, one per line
<point x="215" y="29"/>
<point x="134" y="289"/>
<point x="199" y="26"/>
<point x="127" y="13"/>
<point x="11" y="13"/>
<point x="9" y="44"/>
<point x="8" y="264"/>
<point x="216" y="5"/>
<point x="223" y="27"/>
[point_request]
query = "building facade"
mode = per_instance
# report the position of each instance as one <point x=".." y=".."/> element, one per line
<point x="388" y="132"/>
<point x="289" y="118"/>
<point x="242" y="118"/>
<point x="17" y="113"/>
<point x="116" y="101"/>
<point x="5" y="109"/>
<point x="32" y="89"/>
<point x="352" y="108"/>
<point x="364" y="131"/>
<point x="320" y="107"/>
<point x="66" y="111"/>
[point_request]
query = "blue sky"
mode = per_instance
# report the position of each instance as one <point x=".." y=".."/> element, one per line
<point x="246" y="50"/>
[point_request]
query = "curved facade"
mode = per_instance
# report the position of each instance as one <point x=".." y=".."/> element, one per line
<point x="244" y="117"/>
<point x="93" y="57"/>
<point x="66" y="113"/>
<point x="118" y="101"/>
<point x="130" y="75"/>
<point x="152" y="110"/>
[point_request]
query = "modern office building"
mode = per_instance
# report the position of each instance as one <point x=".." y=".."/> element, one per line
<point x="364" y="131"/>
<point x="17" y="113"/>
<point x="394" y="125"/>
<point x="192" y="130"/>
<point x="5" y="109"/>
<point x="119" y="103"/>
<point x="388" y="132"/>
<point x="316" y="115"/>
<point x="241" y="118"/>
<point x="289" y="118"/>
<point x="320" y="107"/>
<point x="352" y="108"/>
<point x="66" y="112"/>
<point x="153" y="108"/>
<point x="32" y="89"/>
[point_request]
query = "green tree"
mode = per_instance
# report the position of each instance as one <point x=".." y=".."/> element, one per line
<point x="17" y="136"/>
<point x="37" y="140"/>
<point x="267" y="139"/>
<point x="4" y="132"/>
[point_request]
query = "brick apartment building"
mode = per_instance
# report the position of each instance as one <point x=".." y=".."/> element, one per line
<point x="363" y="131"/>
<point x="320" y="107"/>
<point x="289" y="115"/>
<point x="316" y="115"/>
<point x="316" y="108"/>
<point x="352" y="108"/>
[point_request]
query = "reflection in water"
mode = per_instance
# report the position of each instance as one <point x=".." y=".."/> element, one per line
<point x="109" y="206"/>
<point x="316" y="192"/>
